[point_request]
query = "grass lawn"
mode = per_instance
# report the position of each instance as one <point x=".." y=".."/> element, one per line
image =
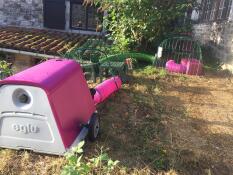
<point x="158" y="123"/>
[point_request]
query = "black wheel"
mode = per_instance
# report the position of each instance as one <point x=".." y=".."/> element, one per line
<point x="94" y="127"/>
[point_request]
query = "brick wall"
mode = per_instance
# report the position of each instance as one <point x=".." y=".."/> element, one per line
<point x="25" y="13"/>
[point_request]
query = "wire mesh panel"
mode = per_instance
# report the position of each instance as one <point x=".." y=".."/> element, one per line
<point x="180" y="55"/>
<point x="88" y="57"/>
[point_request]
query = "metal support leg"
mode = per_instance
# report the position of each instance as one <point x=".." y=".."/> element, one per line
<point x="101" y="75"/>
<point x="93" y="74"/>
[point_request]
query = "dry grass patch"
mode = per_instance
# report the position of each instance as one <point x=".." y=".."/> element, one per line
<point x="157" y="124"/>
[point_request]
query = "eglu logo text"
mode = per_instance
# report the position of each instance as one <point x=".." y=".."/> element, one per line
<point x="26" y="129"/>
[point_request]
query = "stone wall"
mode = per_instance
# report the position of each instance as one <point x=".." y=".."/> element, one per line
<point x="25" y="13"/>
<point x="219" y="36"/>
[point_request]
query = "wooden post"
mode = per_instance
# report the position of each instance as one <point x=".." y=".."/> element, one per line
<point x="22" y="62"/>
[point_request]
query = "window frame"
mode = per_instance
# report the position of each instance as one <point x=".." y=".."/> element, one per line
<point x="80" y="2"/>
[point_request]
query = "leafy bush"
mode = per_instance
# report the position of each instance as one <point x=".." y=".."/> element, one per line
<point x="134" y="24"/>
<point x="101" y="164"/>
<point x="5" y="69"/>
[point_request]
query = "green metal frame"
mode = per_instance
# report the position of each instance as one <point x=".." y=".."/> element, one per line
<point x="114" y="67"/>
<point x="92" y="55"/>
<point x="89" y="58"/>
<point x="95" y="55"/>
<point x="180" y="47"/>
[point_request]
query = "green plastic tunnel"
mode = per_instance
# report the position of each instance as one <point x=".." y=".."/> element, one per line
<point x="140" y="57"/>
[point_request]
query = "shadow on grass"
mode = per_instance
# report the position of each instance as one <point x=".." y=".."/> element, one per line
<point x="132" y="125"/>
<point x="216" y="153"/>
<point x="135" y="128"/>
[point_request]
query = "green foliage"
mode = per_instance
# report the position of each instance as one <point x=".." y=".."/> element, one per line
<point x="76" y="165"/>
<point x="5" y="68"/>
<point x="134" y="24"/>
<point x="182" y="77"/>
<point x="151" y="70"/>
<point x="162" y="73"/>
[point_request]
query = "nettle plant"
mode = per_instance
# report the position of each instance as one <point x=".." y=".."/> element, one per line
<point x="78" y="165"/>
<point x="5" y="69"/>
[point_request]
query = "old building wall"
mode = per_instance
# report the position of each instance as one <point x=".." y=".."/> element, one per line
<point x="25" y="13"/>
<point x="219" y="36"/>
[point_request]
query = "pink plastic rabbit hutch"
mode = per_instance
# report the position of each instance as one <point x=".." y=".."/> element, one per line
<point x="45" y="108"/>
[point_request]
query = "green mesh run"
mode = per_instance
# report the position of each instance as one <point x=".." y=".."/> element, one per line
<point x="176" y="48"/>
<point x="97" y="50"/>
